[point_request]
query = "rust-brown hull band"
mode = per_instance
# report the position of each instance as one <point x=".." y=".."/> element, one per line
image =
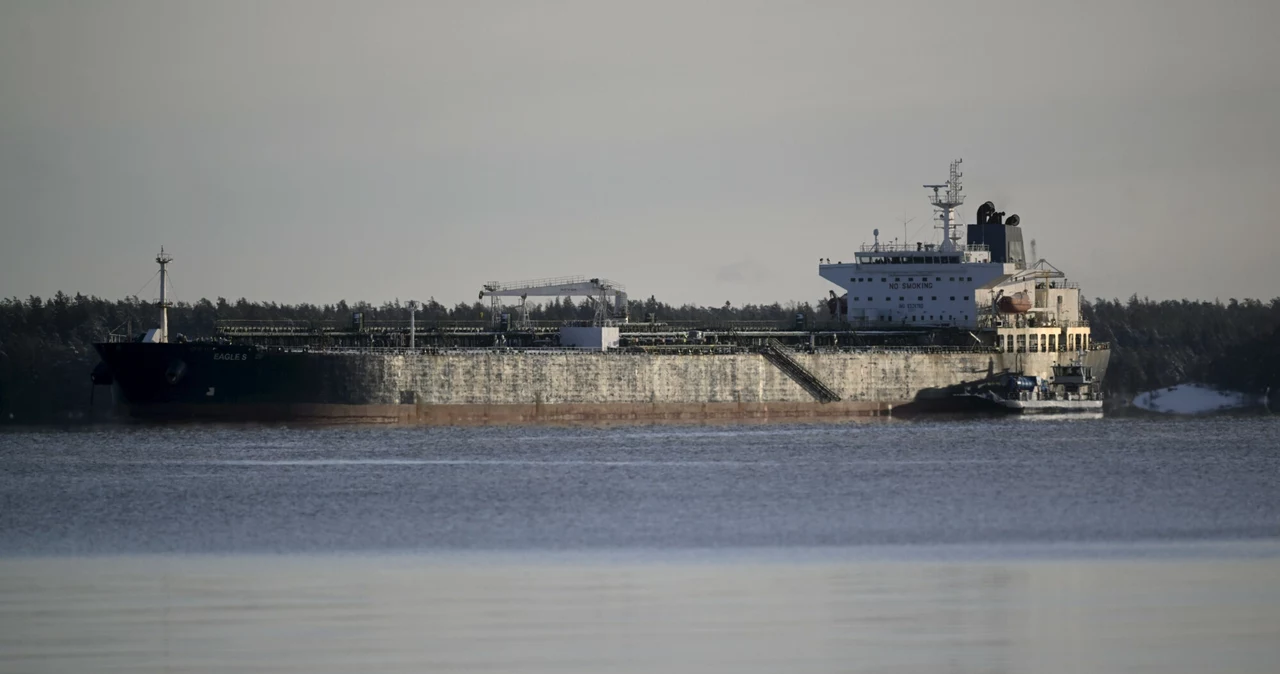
<point x="473" y="415"/>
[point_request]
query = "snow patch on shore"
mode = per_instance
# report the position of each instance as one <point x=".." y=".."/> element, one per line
<point x="1192" y="399"/>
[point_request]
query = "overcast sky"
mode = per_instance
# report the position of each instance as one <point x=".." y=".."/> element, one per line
<point x="697" y="151"/>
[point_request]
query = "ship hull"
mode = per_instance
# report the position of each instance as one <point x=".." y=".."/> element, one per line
<point x="208" y="381"/>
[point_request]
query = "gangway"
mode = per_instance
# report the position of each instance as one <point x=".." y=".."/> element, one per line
<point x="610" y="297"/>
<point x="776" y="352"/>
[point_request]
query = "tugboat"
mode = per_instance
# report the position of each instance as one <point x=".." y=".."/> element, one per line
<point x="1072" y="388"/>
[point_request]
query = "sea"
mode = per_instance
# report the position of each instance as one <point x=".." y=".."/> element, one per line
<point x="1015" y="545"/>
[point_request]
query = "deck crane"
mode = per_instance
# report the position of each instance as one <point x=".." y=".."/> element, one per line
<point x="609" y="297"/>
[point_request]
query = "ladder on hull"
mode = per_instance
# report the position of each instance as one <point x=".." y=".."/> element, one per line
<point x="776" y="352"/>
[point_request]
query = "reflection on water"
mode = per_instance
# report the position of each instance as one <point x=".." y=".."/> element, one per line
<point x="505" y="612"/>
<point x="1002" y="546"/>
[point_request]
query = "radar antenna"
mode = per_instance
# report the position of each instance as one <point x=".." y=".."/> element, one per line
<point x="945" y="202"/>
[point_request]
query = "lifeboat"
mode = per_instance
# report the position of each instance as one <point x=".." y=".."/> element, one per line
<point x="1017" y="303"/>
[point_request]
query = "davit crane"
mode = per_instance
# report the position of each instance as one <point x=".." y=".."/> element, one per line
<point x="609" y="297"/>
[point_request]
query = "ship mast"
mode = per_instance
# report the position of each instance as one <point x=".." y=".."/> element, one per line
<point x="164" y="259"/>
<point x="946" y="203"/>
<point x="413" y="327"/>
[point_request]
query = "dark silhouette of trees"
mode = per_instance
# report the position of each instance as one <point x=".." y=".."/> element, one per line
<point x="1157" y="344"/>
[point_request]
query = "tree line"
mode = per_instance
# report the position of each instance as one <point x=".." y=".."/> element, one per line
<point x="1234" y="346"/>
<point x="46" y="345"/>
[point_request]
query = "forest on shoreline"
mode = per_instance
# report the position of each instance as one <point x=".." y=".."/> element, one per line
<point x="46" y="345"/>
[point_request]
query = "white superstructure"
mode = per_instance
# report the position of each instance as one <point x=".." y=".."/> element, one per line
<point x="981" y="284"/>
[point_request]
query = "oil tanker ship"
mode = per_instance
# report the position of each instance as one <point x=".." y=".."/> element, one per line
<point x="914" y="328"/>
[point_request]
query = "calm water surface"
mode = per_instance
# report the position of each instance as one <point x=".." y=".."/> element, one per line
<point x="1018" y="545"/>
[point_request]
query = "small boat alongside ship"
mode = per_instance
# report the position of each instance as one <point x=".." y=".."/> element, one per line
<point x="1071" y="389"/>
